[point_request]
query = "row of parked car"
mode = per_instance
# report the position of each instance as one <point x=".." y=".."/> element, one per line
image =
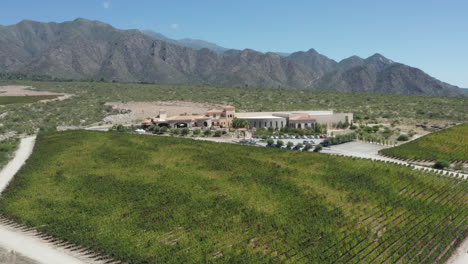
<point x="297" y="137"/>
<point x="300" y="148"/>
<point x="249" y="141"/>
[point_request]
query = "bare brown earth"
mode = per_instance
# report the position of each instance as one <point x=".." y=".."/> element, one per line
<point x="142" y="110"/>
<point x="17" y="90"/>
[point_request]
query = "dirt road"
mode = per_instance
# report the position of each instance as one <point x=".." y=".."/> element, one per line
<point x="460" y="256"/>
<point x="21" y="155"/>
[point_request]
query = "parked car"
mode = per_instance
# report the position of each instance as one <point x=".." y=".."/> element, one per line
<point x="250" y="141"/>
<point x="305" y="142"/>
<point x="140" y="131"/>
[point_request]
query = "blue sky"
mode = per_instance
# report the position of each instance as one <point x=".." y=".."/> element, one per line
<point x="428" y="34"/>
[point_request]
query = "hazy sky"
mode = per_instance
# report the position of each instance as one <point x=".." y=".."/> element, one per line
<point x="428" y="34"/>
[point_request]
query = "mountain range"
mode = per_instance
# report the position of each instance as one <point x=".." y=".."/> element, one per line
<point x="84" y="49"/>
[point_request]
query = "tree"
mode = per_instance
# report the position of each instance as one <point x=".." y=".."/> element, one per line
<point x="279" y="143"/>
<point x="307" y="147"/>
<point x="299" y="145"/>
<point x="318" y="148"/>
<point x="290" y="145"/>
<point x="163" y="130"/>
<point x="368" y="129"/>
<point x="240" y="123"/>
<point x="346" y="123"/>
<point x="403" y="138"/>
<point x="196" y="131"/>
<point x="441" y="164"/>
<point x="218" y="133"/>
<point x="318" y="128"/>
<point x="175" y="131"/>
<point x="270" y="142"/>
<point x="207" y="132"/>
<point x="119" y="128"/>
<point x="184" y="131"/>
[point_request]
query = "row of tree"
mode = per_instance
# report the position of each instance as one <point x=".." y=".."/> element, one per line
<point x="339" y="139"/>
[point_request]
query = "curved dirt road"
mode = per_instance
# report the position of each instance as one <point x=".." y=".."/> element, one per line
<point x="25" y="243"/>
<point x="21" y="155"/>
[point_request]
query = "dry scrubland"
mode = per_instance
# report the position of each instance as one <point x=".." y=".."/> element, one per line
<point x="449" y="144"/>
<point x="4" y="100"/>
<point x="142" y="110"/>
<point x="89" y="103"/>
<point x="149" y="199"/>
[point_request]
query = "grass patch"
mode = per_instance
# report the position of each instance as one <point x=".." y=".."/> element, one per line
<point x="448" y="144"/>
<point x="149" y="199"/>
<point x="5" y="100"/>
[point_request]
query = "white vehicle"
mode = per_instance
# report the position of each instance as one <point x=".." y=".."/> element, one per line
<point x="140" y="131"/>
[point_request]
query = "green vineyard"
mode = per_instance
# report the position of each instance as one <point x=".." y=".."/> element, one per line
<point x="4" y="100"/>
<point x="155" y="199"/>
<point x="449" y="144"/>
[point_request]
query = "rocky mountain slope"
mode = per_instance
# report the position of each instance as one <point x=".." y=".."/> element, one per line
<point x="84" y="49"/>
<point x="186" y="42"/>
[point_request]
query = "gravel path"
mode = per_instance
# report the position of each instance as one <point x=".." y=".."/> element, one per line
<point x="21" y="155"/>
<point x="31" y="249"/>
<point x="460" y="256"/>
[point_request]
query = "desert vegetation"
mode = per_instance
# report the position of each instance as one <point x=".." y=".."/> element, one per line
<point x="88" y="105"/>
<point x="449" y="144"/>
<point x="149" y="199"/>
<point x="4" y="100"/>
<point x="7" y="148"/>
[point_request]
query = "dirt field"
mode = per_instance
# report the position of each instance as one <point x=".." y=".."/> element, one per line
<point x="16" y="90"/>
<point x="143" y="110"/>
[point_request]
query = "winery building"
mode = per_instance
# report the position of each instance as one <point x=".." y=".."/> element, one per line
<point x="223" y="118"/>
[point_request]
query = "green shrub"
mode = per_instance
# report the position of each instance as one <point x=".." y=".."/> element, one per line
<point x="218" y="133"/>
<point x="403" y="138"/>
<point x="318" y="148"/>
<point x="174" y="131"/>
<point x="279" y="143"/>
<point x="196" y="131"/>
<point x="441" y="164"/>
<point x="163" y="130"/>
<point x="184" y="131"/>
